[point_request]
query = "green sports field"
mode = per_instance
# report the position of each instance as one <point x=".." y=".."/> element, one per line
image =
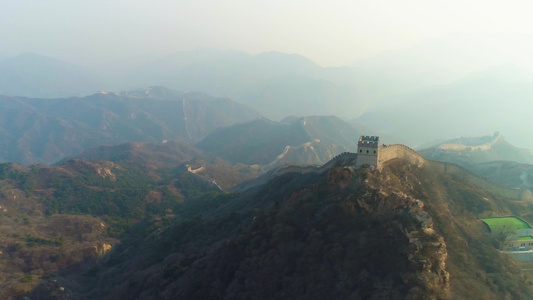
<point x="497" y="224"/>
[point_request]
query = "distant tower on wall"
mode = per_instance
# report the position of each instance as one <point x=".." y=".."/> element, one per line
<point x="367" y="151"/>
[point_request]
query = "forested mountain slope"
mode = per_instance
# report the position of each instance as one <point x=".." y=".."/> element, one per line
<point x="48" y="130"/>
<point x="403" y="232"/>
<point x="305" y="140"/>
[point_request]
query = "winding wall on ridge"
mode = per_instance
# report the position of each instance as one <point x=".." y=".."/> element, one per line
<point x="398" y="151"/>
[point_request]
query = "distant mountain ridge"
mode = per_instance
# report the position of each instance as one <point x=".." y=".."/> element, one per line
<point x="47" y="130"/>
<point x="305" y="140"/>
<point x="274" y="83"/>
<point x="489" y="156"/>
<point x="474" y="150"/>
<point x="467" y="107"/>
<point x="33" y="75"/>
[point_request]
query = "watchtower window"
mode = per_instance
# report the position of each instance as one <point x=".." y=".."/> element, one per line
<point x="374" y="151"/>
<point x="366" y="151"/>
<point x="361" y="151"/>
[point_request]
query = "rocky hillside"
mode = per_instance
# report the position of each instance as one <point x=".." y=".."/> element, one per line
<point x="405" y="232"/>
<point x="176" y="158"/>
<point x="150" y="156"/>
<point x="66" y="217"/>
<point x="47" y="130"/>
<point x="37" y="242"/>
<point x="307" y="140"/>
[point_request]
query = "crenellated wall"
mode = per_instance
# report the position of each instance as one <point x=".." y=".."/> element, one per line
<point x="343" y="159"/>
<point x="391" y="152"/>
<point x="398" y="151"/>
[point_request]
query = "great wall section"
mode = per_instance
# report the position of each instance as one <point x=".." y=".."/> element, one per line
<point x="398" y="151"/>
<point x="388" y="153"/>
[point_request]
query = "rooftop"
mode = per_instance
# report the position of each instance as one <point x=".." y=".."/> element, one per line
<point x="506" y="223"/>
<point x="369" y="141"/>
<point x="366" y="138"/>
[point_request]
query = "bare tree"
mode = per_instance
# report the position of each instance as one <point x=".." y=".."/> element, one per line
<point x="502" y="235"/>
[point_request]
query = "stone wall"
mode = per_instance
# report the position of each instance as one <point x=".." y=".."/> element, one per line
<point x="399" y="151"/>
<point x="343" y="159"/>
<point x="370" y="159"/>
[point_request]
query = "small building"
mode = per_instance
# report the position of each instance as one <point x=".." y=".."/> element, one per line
<point x="513" y="232"/>
<point x="367" y="151"/>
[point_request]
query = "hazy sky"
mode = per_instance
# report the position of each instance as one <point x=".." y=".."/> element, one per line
<point x="331" y="32"/>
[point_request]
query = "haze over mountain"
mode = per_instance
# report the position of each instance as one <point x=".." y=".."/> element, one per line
<point x="472" y="150"/>
<point x="469" y="107"/>
<point x="47" y="130"/>
<point x="444" y="60"/>
<point x="33" y="75"/>
<point x="279" y="84"/>
<point x="274" y="83"/>
<point x="209" y="149"/>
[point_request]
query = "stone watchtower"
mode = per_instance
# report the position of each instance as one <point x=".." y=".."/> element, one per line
<point x="367" y="151"/>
